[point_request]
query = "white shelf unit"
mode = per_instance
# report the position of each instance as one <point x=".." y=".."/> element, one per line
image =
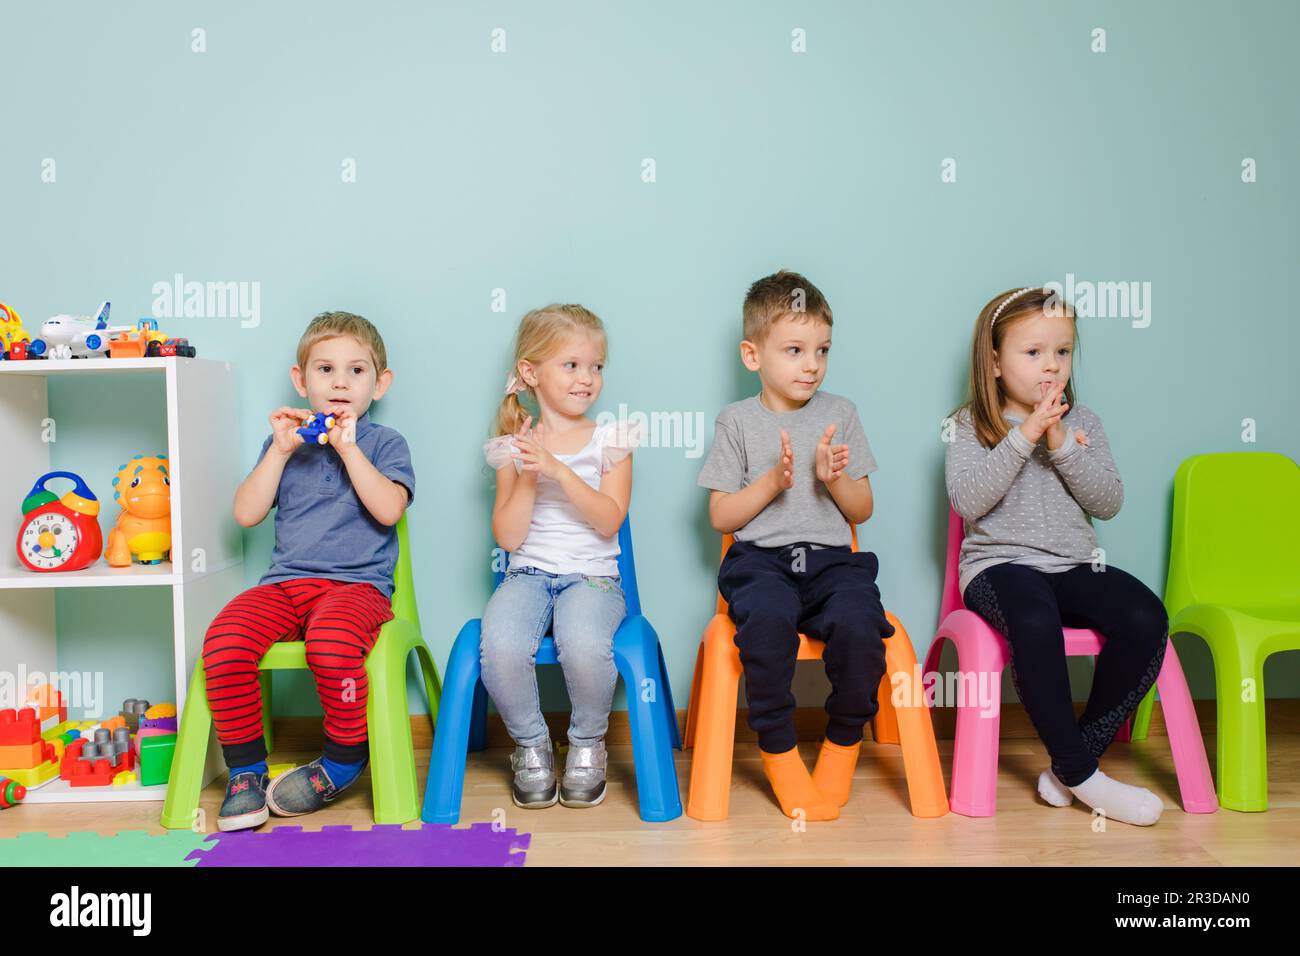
<point x="204" y="474"/>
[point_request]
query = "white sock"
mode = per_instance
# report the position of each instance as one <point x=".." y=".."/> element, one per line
<point x="1120" y="801"/>
<point x="1053" y="791"/>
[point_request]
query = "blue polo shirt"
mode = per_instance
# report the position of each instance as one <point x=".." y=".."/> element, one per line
<point x="322" y="530"/>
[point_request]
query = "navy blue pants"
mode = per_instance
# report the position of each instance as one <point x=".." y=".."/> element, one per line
<point x="829" y="594"/>
<point x="1029" y="607"/>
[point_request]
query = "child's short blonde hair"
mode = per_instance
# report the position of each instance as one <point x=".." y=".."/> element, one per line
<point x="780" y="295"/>
<point x="331" y="325"/>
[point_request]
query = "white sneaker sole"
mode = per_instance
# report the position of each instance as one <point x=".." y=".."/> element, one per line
<point x="244" y="821"/>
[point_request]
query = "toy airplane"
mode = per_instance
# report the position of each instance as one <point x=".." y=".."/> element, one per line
<point x="76" y="336"/>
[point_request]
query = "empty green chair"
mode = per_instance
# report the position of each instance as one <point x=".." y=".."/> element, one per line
<point x="1234" y="580"/>
<point x="392" y="759"/>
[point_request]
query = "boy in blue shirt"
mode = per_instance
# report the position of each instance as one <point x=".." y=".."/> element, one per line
<point x="331" y="575"/>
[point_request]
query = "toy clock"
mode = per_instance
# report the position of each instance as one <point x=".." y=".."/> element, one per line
<point x="59" y="534"/>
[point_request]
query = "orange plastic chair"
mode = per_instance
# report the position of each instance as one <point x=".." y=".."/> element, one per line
<point x="711" y="717"/>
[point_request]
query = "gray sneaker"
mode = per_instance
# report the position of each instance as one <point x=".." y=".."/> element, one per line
<point x="584" y="776"/>
<point x="534" y="783"/>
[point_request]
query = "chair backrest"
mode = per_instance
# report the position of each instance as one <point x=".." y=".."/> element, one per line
<point x="626" y="568"/>
<point x="951" y="599"/>
<point x="404" y="607"/>
<point x="727" y="539"/>
<point x="1235" y="538"/>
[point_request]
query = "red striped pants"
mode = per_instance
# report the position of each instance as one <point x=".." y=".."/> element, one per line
<point x="339" y="622"/>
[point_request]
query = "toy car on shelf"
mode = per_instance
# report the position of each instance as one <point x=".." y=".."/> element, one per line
<point x="316" y="429"/>
<point x="134" y="343"/>
<point x="14" y="339"/>
<point x="170" y="347"/>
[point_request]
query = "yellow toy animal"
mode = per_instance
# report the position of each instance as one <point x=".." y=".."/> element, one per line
<point x="144" y="528"/>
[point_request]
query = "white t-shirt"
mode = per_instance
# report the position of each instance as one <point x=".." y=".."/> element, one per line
<point x="560" y="540"/>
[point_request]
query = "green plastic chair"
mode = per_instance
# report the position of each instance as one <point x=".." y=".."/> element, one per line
<point x="392" y="757"/>
<point x="1234" y="580"/>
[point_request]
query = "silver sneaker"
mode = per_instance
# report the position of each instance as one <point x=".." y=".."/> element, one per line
<point x="584" y="776"/>
<point x="534" y="783"/>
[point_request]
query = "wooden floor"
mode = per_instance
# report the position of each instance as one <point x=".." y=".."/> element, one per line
<point x="875" y="828"/>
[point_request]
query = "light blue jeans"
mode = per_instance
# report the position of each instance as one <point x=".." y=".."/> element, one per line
<point x="583" y="612"/>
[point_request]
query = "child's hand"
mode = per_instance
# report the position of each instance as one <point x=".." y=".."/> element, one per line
<point x="284" y="424"/>
<point x="831" y="459"/>
<point x="344" y="431"/>
<point x="533" y="455"/>
<point x="782" y="473"/>
<point x="1046" y="416"/>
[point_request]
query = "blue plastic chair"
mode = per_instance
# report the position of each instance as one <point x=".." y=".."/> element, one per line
<point x="462" y="714"/>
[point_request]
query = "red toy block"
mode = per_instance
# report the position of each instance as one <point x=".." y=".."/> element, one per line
<point x="92" y="773"/>
<point x="19" y="727"/>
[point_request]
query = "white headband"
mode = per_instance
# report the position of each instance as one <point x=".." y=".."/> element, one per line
<point x="1006" y="302"/>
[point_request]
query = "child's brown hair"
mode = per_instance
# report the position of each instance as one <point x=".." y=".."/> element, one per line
<point x="330" y="325"/>
<point x="780" y="295"/>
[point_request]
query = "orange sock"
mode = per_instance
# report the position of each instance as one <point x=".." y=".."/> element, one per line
<point x="833" y="775"/>
<point x="794" y="786"/>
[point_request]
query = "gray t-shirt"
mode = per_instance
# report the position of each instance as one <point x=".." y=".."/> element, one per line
<point x="1026" y="505"/>
<point x="747" y="443"/>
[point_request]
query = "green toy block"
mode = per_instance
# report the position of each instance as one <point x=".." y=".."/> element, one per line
<point x="156" y="758"/>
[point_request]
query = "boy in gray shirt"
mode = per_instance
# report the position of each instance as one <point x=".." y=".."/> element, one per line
<point x="788" y="474"/>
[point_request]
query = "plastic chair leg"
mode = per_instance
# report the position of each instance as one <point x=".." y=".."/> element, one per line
<point x="1242" y="744"/>
<point x="693" y="706"/>
<point x="636" y="654"/>
<point x="914" y="729"/>
<point x="715" y="725"/>
<point x="392" y="755"/>
<point x="1190" y="762"/>
<point x="443" y="789"/>
<point x="186" y="778"/>
<point x="975" y="746"/>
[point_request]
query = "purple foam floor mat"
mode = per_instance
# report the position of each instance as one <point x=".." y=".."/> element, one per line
<point x="382" y="845"/>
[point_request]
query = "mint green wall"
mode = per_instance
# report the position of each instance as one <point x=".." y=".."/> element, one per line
<point x="521" y="171"/>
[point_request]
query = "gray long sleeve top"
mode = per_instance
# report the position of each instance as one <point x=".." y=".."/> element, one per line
<point x="1024" y="504"/>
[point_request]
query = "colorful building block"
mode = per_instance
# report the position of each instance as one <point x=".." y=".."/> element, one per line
<point x="37" y="776"/>
<point x="156" y="754"/>
<point x="22" y="756"/>
<point x="19" y="727"/>
<point x="94" y="763"/>
<point x="49" y="705"/>
<point x="132" y="711"/>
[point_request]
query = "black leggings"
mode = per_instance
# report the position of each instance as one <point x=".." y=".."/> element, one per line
<point x="1029" y="608"/>
<point x="829" y="594"/>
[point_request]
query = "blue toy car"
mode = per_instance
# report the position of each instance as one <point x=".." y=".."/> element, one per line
<point x="316" y="429"/>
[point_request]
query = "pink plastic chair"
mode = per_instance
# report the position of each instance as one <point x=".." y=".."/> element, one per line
<point x="983" y="653"/>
